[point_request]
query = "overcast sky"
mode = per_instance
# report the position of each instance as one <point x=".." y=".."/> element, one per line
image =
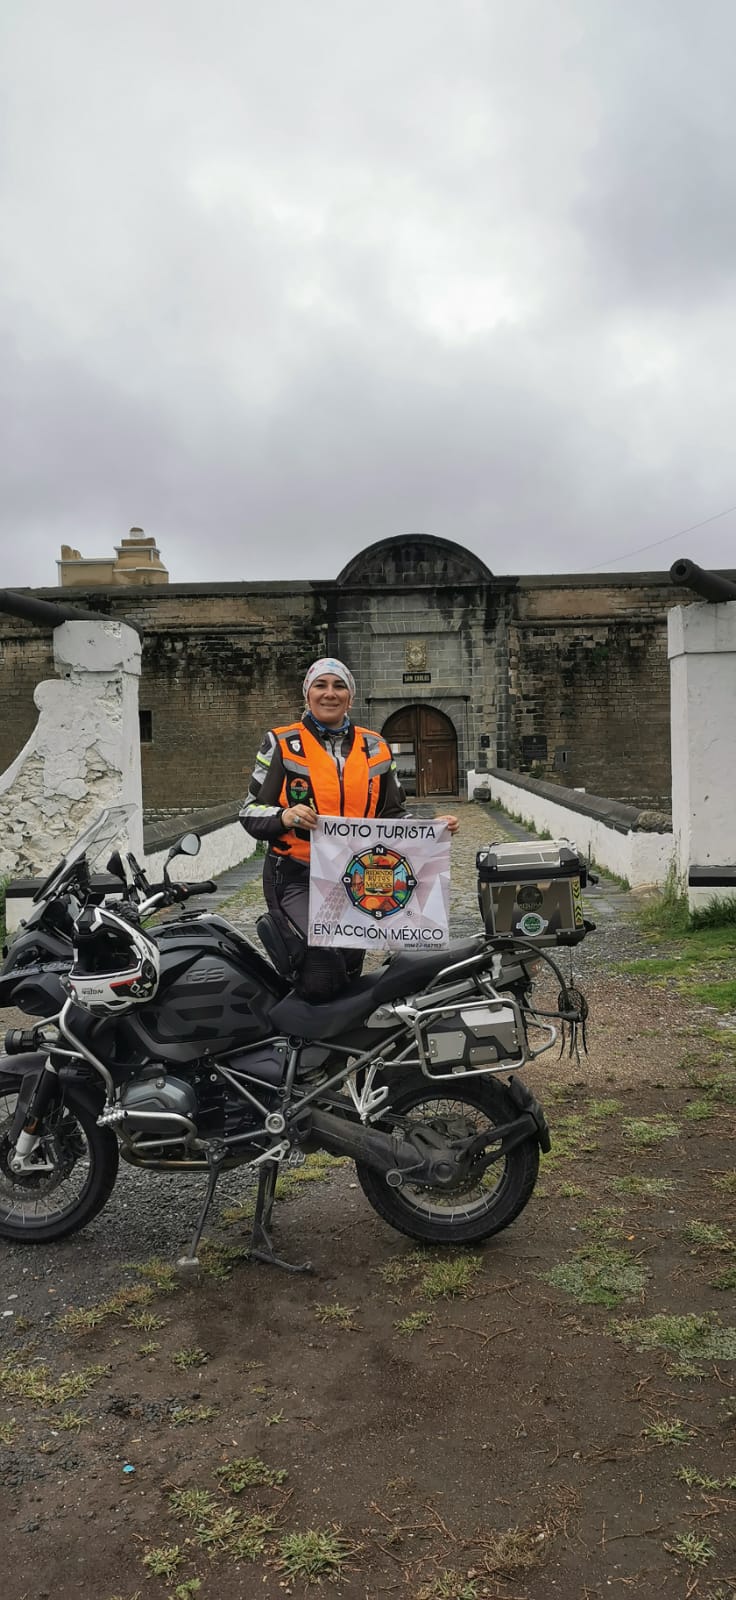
<point x="280" y="278"/>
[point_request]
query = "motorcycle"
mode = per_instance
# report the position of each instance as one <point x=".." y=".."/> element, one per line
<point x="216" y="1062"/>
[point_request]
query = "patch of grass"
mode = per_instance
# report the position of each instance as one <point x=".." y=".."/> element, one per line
<point x="221" y="1525"/>
<point x="186" y="1416"/>
<point x="161" y="1275"/>
<point x="708" y="1236"/>
<point x="603" y="1108"/>
<point x="146" y="1321"/>
<point x="318" y="1553"/>
<point x="243" y="1212"/>
<point x="598" y="1275"/>
<point x="515" y="1550"/>
<point x="149" y="1348"/>
<point x="698" y="1110"/>
<point x="666" y="911"/>
<point x="720" y="912"/>
<point x="191" y="1504"/>
<point x="642" y="1133"/>
<point x="249" y="1472"/>
<point x="449" y="1586"/>
<point x="571" y="1191"/>
<point x="163" y="1560"/>
<point x="724" y="1280"/>
<point x="726" y="1182"/>
<point x="185" y="1590"/>
<point x="220" y="1260"/>
<point x="250" y="1542"/>
<point x="449" y="1279"/>
<point x="83" y="1319"/>
<point x="604" y="1224"/>
<point x="721" y="994"/>
<point x="415" y="1321"/>
<point x="8" y="1432"/>
<point x="36" y="1383"/>
<point x="697" y="1480"/>
<point x="667" y="1430"/>
<point x="71" y="1421"/>
<point x="647" y="1188"/>
<point x="572" y="1137"/>
<point x="693" y="1548"/>
<point x="691" y="1337"/>
<point x="343" y="1316"/>
<point x="189" y="1357"/>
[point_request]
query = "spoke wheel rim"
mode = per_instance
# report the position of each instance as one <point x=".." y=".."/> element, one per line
<point x="52" y="1196"/>
<point x="461" y="1118"/>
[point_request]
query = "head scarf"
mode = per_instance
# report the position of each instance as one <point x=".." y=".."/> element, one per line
<point x="328" y="664"/>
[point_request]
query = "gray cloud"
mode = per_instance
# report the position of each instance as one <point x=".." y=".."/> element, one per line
<point x="280" y="281"/>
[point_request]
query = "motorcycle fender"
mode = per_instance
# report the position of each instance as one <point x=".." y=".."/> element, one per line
<point x="525" y="1101"/>
<point x="26" y="1068"/>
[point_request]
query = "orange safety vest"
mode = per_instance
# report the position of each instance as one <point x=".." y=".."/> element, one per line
<point x="311" y="778"/>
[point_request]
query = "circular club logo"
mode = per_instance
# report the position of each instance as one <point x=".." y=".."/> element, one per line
<point x="379" y="882"/>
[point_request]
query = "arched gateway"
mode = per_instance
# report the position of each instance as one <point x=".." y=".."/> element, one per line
<point x="424" y="743"/>
<point x="415" y="617"/>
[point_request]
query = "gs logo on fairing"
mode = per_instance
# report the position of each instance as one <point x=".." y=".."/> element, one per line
<point x="379" y="882"/>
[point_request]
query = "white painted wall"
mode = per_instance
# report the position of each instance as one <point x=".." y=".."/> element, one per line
<point x="702" y="652"/>
<point x="642" y="858"/>
<point x="223" y="848"/>
<point x="83" y="754"/>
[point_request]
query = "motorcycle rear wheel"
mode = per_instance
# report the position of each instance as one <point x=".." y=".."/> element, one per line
<point x="489" y="1203"/>
<point x="38" y="1209"/>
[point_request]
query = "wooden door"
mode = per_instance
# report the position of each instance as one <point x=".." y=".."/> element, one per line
<point x="425" y="747"/>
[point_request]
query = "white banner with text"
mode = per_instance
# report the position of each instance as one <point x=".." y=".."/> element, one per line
<point x="379" y="885"/>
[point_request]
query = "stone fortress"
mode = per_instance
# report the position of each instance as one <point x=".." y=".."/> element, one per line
<point x="564" y="678"/>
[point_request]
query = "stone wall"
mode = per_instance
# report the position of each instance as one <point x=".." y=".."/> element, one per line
<point x="562" y="677"/>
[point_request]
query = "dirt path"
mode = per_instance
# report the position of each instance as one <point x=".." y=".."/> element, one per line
<point x="553" y="1415"/>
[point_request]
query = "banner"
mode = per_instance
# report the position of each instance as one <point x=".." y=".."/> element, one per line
<point x="379" y="885"/>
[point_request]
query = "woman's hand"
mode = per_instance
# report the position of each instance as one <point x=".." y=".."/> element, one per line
<point x="298" y="817"/>
<point x="451" y="822"/>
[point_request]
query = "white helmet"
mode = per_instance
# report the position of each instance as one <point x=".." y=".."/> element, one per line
<point x="115" y="965"/>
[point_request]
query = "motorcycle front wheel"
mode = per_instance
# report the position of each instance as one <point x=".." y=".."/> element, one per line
<point x="76" y="1167"/>
<point x="490" y="1200"/>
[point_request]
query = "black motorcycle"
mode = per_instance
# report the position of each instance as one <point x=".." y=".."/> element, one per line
<point x="411" y="1073"/>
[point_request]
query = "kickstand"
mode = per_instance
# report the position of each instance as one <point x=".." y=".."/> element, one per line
<point x="215" y="1156"/>
<point x="261" y="1248"/>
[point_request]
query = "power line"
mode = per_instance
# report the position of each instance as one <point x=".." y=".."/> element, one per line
<point x="657" y="542"/>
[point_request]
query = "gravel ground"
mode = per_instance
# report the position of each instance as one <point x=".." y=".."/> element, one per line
<point x="636" y="1032"/>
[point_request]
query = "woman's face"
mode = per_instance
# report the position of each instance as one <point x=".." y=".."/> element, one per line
<point x="328" y="699"/>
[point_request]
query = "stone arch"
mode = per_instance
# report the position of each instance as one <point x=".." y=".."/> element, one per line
<point x="413" y="561"/>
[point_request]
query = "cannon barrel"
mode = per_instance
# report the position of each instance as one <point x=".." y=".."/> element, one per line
<point x="50" y="613"/>
<point x="709" y="585"/>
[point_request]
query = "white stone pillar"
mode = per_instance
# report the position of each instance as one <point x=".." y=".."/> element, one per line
<point x="84" y="752"/>
<point x="702" y="652"/>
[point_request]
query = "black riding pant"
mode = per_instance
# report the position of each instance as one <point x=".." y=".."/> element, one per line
<point x="322" y="973"/>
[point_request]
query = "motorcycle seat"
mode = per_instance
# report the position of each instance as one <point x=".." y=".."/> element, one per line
<point x="405" y="974"/>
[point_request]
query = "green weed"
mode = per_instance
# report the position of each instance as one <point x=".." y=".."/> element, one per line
<point x="249" y="1472"/>
<point x="644" y="1132"/>
<point x="415" y="1321"/>
<point x="7" y="1432"/>
<point x="191" y="1504"/>
<point x="163" y="1560"/>
<point x="192" y="1357"/>
<point x="343" y="1316"/>
<point x="667" y="1431"/>
<point x="185" y="1416"/>
<point x="146" y="1321"/>
<point x="36" y="1383"/>
<point x="725" y="1181"/>
<point x="71" y="1421"/>
<point x="446" y="1280"/>
<point x="83" y="1319"/>
<point x="724" y="1280"/>
<point x="185" y="1590"/>
<point x="311" y="1556"/>
<point x="161" y="1275"/>
<point x="571" y="1191"/>
<point x="691" y="1337"/>
<point x="693" y="1547"/>
<point x="598" y="1275"/>
<point x="449" y="1586"/>
<point x="708" y="1236"/>
<point x="697" y="1480"/>
<point x="648" y="1188"/>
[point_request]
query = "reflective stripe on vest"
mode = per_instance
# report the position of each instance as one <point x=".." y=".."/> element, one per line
<point x="352" y="793"/>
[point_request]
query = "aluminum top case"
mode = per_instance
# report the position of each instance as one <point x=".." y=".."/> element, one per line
<point x="531" y="889"/>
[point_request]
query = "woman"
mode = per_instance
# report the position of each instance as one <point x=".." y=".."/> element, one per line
<point x="321" y="765"/>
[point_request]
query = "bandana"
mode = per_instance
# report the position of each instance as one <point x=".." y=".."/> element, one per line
<point x="328" y="664"/>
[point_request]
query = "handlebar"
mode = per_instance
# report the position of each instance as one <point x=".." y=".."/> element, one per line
<point x="171" y="894"/>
